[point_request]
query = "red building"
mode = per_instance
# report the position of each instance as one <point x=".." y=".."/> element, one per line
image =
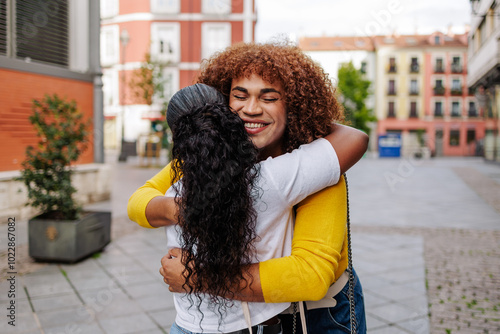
<point x="181" y="33"/>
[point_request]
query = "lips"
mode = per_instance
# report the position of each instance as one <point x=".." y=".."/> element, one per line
<point x="255" y="127"/>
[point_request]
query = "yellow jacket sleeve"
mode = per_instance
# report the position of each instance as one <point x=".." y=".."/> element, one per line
<point x="154" y="187"/>
<point x="319" y="253"/>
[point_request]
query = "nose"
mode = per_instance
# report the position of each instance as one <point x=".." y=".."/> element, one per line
<point x="252" y="107"/>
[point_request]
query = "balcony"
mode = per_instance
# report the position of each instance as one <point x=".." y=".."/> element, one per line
<point x="391" y="92"/>
<point x="414" y="68"/>
<point x="456" y="91"/>
<point x="392" y="69"/>
<point x="413" y="114"/>
<point x="439" y="69"/>
<point x="439" y="90"/>
<point x="438" y="113"/>
<point x="414" y="92"/>
<point x="391" y="114"/>
<point x="473" y="112"/>
<point x="456" y="68"/>
<point x="455" y="114"/>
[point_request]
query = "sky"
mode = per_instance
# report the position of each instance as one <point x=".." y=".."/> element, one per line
<point x="296" y="18"/>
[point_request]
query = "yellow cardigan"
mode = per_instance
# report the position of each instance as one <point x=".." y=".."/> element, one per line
<point x="319" y="246"/>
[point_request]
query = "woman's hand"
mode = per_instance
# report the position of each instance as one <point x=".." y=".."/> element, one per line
<point x="172" y="270"/>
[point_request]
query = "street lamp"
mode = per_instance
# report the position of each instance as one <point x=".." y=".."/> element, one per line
<point x="124" y="40"/>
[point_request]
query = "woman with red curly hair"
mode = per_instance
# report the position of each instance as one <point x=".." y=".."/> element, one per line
<point x="285" y="100"/>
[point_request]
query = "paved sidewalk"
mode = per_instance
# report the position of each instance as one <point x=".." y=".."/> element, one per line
<point x="408" y="225"/>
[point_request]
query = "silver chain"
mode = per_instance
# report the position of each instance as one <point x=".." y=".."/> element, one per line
<point x="352" y="311"/>
<point x="294" y="305"/>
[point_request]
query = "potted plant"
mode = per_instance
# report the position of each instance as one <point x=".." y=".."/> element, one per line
<point x="62" y="232"/>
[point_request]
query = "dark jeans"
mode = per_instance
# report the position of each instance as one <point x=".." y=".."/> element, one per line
<point x="333" y="320"/>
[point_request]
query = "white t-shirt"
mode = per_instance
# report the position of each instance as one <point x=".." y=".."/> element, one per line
<point x="283" y="182"/>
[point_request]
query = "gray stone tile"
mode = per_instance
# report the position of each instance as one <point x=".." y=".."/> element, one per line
<point x="24" y="322"/>
<point x="155" y="303"/>
<point x="75" y="328"/>
<point x="41" y="304"/>
<point x="418" y="325"/>
<point x="129" y="324"/>
<point x="374" y="323"/>
<point x="165" y="318"/>
<point x="115" y="307"/>
<point x="390" y="329"/>
<point x="393" y="313"/>
<point x="38" y="287"/>
<point x="145" y="290"/>
<point x="69" y="315"/>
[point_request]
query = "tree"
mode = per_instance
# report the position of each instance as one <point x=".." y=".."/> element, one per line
<point x="354" y="90"/>
<point x="148" y="86"/>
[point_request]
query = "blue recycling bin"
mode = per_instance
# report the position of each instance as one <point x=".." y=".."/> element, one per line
<point x="389" y="145"/>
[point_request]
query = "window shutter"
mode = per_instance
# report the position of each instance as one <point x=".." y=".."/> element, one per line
<point x="3" y="27"/>
<point x="42" y="31"/>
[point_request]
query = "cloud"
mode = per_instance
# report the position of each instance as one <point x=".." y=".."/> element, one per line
<point x="336" y="17"/>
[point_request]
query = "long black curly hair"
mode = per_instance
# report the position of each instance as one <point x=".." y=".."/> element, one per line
<point x="217" y="162"/>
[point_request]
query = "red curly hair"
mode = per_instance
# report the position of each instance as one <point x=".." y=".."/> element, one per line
<point x="310" y="98"/>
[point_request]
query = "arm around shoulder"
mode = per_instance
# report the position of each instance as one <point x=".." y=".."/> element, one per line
<point x="349" y="143"/>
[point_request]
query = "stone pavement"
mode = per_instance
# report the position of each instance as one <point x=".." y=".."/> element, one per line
<point x="426" y="245"/>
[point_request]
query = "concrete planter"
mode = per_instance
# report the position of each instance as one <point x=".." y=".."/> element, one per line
<point x="68" y="241"/>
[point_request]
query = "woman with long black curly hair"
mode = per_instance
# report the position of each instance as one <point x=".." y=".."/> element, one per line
<point x="233" y="211"/>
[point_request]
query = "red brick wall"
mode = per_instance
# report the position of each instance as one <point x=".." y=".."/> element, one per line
<point x="18" y="91"/>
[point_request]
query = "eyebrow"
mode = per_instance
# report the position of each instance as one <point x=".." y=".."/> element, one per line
<point x="262" y="91"/>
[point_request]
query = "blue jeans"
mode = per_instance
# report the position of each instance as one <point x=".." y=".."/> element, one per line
<point x="175" y="329"/>
<point x="333" y="320"/>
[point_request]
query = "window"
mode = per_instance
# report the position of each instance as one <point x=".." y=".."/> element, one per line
<point x="165" y="46"/>
<point x="456" y="66"/>
<point x="392" y="65"/>
<point x="392" y="87"/>
<point x="165" y="6"/>
<point x="216" y="6"/>
<point x="41" y="31"/>
<point x="472" y="109"/>
<point x="455" y="109"/>
<point x="363" y="67"/>
<point x="438" y="87"/>
<point x="413" y="87"/>
<point x="439" y="65"/>
<point x="471" y="136"/>
<point x="391" y="113"/>
<point x="413" y="110"/>
<point x="437" y="40"/>
<point x="414" y="68"/>
<point x="109" y="8"/>
<point x="110" y="88"/>
<point x="438" y="109"/>
<point x="456" y="87"/>
<point x="110" y="45"/>
<point x="215" y="37"/>
<point x="454" y="137"/>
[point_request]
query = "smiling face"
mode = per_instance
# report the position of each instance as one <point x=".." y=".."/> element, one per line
<point x="260" y="105"/>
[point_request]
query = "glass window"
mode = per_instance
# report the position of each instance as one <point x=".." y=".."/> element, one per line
<point x="391" y="112"/>
<point x="439" y="65"/>
<point x="215" y="37"/>
<point x="109" y="8"/>
<point x="438" y="108"/>
<point x="110" y="45"/>
<point x="216" y="6"/>
<point x="413" y="87"/>
<point x="392" y="87"/>
<point x="165" y="6"/>
<point x="471" y="136"/>
<point x="454" y="137"/>
<point x="455" y="109"/>
<point x="165" y="44"/>
<point x="413" y="109"/>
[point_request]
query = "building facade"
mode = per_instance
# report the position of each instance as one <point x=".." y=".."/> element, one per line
<point x="484" y="70"/>
<point x="178" y="33"/>
<point x="49" y="47"/>
<point x="419" y="88"/>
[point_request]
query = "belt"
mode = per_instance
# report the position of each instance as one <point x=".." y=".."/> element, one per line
<point x="267" y="329"/>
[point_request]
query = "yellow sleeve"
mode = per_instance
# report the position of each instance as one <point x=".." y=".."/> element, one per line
<point x="318" y="251"/>
<point x="154" y="187"/>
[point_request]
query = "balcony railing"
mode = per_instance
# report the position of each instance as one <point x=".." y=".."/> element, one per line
<point x="414" y="92"/>
<point x="439" y="90"/>
<point x="456" y="91"/>
<point x="456" y="68"/>
<point x="392" y="69"/>
<point x="473" y="112"/>
<point x="455" y="114"/>
<point x="413" y="114"/>
<point x="438" y="113"/>
<point x="439" y="69"/>
<point x="391" y="92"/>
<point x="391" y="114"/>
<point x="414" y="68"/>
